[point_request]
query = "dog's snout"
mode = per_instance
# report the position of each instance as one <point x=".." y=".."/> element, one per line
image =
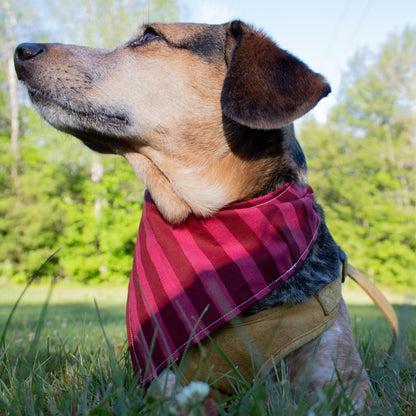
<point x="24" y="53"/>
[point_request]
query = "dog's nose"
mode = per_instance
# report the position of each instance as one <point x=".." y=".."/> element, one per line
<point x="23" y="54"/>
<point x="26" y="51"/>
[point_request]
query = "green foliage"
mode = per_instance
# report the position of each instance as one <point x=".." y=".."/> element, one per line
<point x="363" y="163"/>
<point x="30" y="224"/>
<point x="101" y="223"/>
<point x="4" y="115"/>
<point x="60" y="206"/>
<point x="56" y="202"/>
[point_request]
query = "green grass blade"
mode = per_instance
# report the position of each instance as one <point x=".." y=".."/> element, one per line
<point x="34" y="276"/>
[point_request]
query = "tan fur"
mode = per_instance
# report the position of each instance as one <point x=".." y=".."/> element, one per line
<point x="165" y="141"/>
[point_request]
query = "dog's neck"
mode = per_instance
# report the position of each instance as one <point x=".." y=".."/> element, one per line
<point x="253" y="163"/>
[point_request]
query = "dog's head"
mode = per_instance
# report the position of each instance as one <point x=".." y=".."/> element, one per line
<point x="202" y="113"/>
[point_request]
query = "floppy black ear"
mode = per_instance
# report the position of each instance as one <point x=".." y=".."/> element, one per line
<point x="265" y="87"/>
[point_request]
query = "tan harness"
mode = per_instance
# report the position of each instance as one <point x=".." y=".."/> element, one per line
<point x="246" y="347"/>
<point x="252" y="343"/>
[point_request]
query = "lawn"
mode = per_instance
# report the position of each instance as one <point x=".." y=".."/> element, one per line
<point x="67" y="356"/>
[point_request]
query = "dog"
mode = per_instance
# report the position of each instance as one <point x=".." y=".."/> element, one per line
<point x="204" y="115"/>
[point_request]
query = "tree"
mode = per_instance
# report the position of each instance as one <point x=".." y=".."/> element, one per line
<point x="105" y="23"/>
<point x="380" y="101"/>
<point x="94" y="217"/>
<point x="370" y="193"/>
<point x="99" y="243"/>
<point x="9" y="13"/>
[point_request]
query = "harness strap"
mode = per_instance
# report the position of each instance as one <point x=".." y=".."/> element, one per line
<point x="377" y="297"/>
<point x="247" y="346"/>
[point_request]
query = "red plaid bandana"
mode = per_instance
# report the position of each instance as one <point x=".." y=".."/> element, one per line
<point x="187" y="280"/>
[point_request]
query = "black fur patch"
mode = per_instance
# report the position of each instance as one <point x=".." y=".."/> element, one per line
<point x="208" y="43"/>
<point x="321" y="267"/>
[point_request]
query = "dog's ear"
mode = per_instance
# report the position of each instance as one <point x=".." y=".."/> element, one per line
<point x="265" y="87"/>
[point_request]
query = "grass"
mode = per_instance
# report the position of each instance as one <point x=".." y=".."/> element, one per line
<point x="63" y="355"/>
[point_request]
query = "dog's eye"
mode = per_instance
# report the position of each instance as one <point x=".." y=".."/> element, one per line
<point x="149" y="35"/>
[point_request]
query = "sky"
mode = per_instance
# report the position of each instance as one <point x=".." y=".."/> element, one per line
<point x="324" y="34"/>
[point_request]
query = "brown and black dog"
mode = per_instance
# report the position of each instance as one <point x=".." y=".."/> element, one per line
<point x="203" y="114"/>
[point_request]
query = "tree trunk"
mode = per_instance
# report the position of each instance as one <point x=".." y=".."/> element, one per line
<point x="14" y="125"/>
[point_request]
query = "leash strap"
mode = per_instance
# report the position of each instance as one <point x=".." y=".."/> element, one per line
<point x="372" y="291"/>
<point x="377" y="297"/>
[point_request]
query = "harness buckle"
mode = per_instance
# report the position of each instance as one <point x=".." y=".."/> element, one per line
<point x="344" y="264"/>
